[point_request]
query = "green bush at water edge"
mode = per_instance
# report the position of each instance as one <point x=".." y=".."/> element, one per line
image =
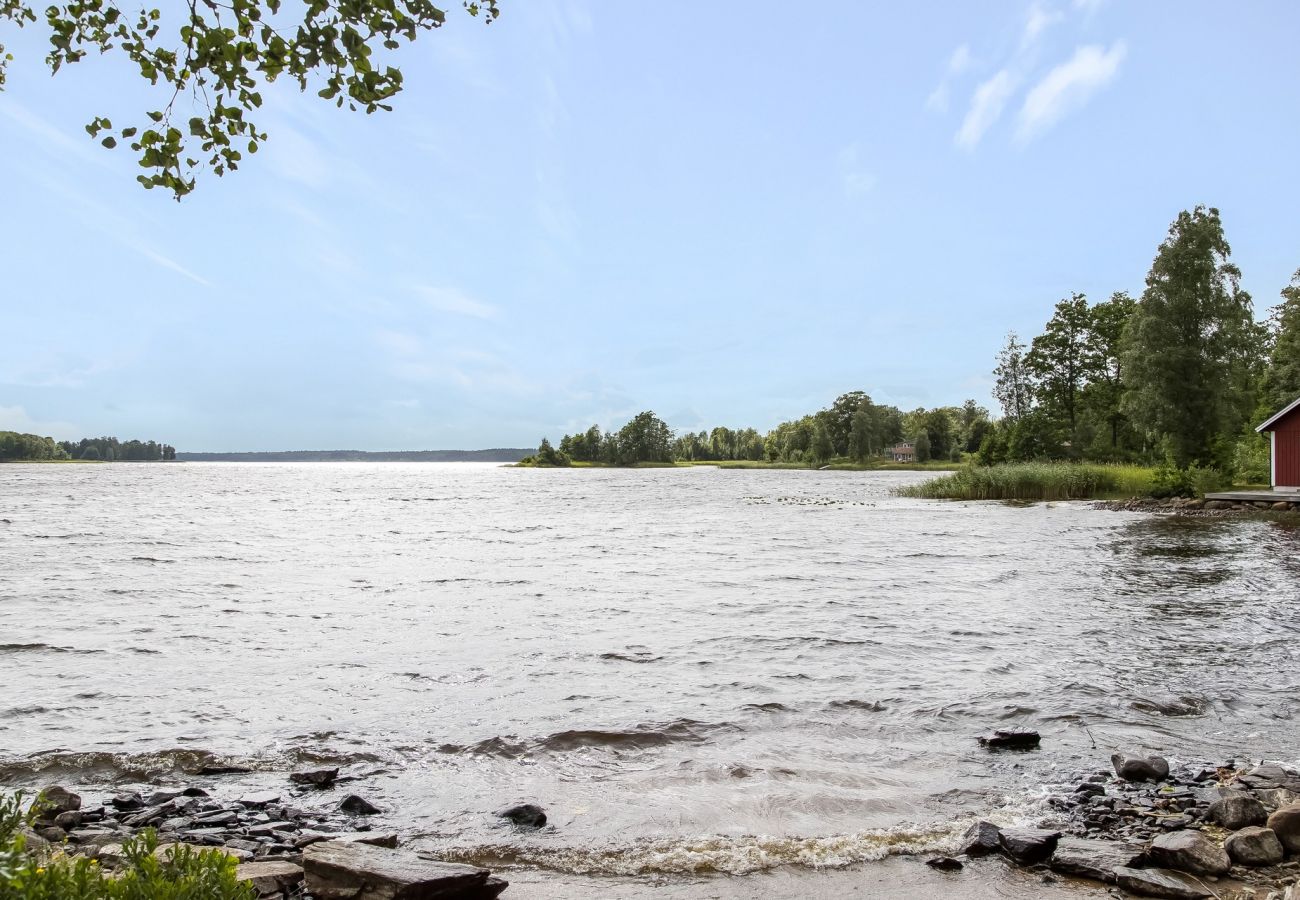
<point x="1037" y="481"/>
<point x="184" y="873"/>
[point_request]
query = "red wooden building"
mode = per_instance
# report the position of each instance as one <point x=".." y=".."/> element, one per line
<point x="1284" y="431"/>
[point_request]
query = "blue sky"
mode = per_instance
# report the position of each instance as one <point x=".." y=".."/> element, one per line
<point x="727" y="213"/>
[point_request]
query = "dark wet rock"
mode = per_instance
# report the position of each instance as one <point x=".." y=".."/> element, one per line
<point x="374" y="838"/>
<point x="1160" y="883"/>
<point x="56" y="799"/>
<point x="321" y="778"/>
<point x="1090" y="789"/>
<point x="211" y="820"/>
<point x="358" y="806"/>
<point x="525" y="815"/>
<point x="269" y="829"/>
<point x="194" y="792"/>
<point x="944" y="864"/>
<point x="1271" y="777"/>
<point x="1140" y="768"/>
<point x="68" y="820"/>
<point x="1237" y="810"/>
<point x="158" y="798"/>
<point x="260" y="800"/>
<point x="270" y="878"/>
<point x="337" y="870"/>
<point x="250" y="846"/>
<point x="34" y="843"/>
<point x="1011" y="740"/>
<point x="1093" y="858"/>
<point x="150" y="815"/>
<point x="1190" y="851"/>
<point x="1028" y="845"/>
<point x="126" y="802"/>
<point x="981" y="839"/>
<point x="1253" y="846"/>
<point x="1286" y="824"/>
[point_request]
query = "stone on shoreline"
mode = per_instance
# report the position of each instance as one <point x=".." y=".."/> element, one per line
<point x="1190" y="851"/>
<point x="981" y="839"/>
<point x="1011" y="740"/>
<point x="1237" y="810"/>
<point x="1140" y="768"/>
<point x="56" y="799"/>
<point x="1254" y="846"/>
<point x="321" y="778"/>
<point x="335" y="870"/>
<point x="1160" y="883"/>
<point x="1095" y="859"/>
<point x="1286" y="824"/>
<point x="273" y="877"/>
<point x="1028" y="845"/>
<point x="358" y="806"/>
<point x="944" y="864"/>
<point x="524" y="815"/>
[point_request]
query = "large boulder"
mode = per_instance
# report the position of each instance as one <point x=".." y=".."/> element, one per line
<point x="1271" y="777"/>
<point x="1028" y="845"/>
<point x="1140" y="768"/>
<point x="270" y="877"/>
<point x="1254" y="847"/>
<point x="981" y="839"/>
<point x="1093" y="859"/>
<point x="525" y="815"/>
<point x="340" y="870"/>
<point x="1286" y="824"/>
<point x="1237" y="810"/>
<point x="55" y="800"/>
<point x="1160" y="883"/>
<point x="1190" y="851"/>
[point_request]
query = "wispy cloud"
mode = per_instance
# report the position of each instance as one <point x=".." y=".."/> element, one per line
<point x="854" y="175"/>
<point x="451" y="300"/>
<point x="958" y="63"/>
<point x="1039" y="18"/>
<point x="986" y="106"/>
<point x="1068" y="87"/>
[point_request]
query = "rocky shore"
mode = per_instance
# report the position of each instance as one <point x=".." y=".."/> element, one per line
<point x="1210" y="832"/>
<point x="1184" y="506"/>
<point x="282" y="850"/>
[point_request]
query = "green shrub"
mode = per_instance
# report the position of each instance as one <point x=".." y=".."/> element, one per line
<point x="1250" y="463"/>
<point x="182" y="872"/>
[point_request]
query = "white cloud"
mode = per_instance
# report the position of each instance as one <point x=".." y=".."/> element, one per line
<point x="1037" y="20"/>
<point x="959" y="62"/>
<point x="986" y="107"/>
<point x="1068" y="87"/>
<point x="15" y="418"/>
<point x="450" y="300"/>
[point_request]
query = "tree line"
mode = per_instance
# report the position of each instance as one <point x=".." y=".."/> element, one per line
<point x="852" y="429"/>
<point x="1178" y="376"/>
<point x="18" y="446"/>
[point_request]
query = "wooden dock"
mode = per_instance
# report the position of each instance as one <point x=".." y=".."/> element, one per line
<point x="1275" y="500"/>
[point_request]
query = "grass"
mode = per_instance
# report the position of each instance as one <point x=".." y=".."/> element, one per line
<point x="1037" y="481"/>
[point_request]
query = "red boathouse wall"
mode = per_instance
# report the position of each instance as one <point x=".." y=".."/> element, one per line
<point x="1286" y="450"/>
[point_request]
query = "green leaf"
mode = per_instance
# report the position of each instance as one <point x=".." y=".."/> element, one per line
<point x="110" y="142"/>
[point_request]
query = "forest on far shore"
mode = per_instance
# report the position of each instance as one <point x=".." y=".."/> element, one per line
<point x="15" y="446"/>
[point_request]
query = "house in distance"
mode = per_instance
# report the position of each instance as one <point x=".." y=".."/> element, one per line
<point x="1283" y="430"/>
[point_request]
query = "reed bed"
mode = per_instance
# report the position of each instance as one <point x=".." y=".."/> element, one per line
<point x="1037" y="481"/>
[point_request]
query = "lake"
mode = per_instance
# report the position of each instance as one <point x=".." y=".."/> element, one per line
<point x="693" y="670"/>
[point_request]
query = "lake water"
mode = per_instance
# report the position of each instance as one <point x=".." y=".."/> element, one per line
<point x="692" y="670"/>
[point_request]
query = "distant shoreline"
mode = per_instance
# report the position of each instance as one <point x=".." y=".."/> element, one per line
<point x="497" y="455"/>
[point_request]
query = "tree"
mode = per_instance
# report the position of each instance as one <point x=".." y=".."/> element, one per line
<point x="937" y="426"/>
<point x="1187" y="345"/>
<point x="839" y="418"/>
<point x="220" y="55"/>
<point x="1061" y="361"/>
<point x="644" y="439"/>
<point x="1103" y="395"/>
<point x="861" y="444"/>
<point x="549" y="456"/>
<point x="820" y="446"/>
<point x="1280" y="385"/>
<point x="1013" y="389"/>
<point x="921" y="447"/>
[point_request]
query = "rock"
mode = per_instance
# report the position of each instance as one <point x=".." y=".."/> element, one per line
<point x="34" y="843"/>
<point x="375" y="838"/>
<point x="1140" y="768"/>
<point x="1281" y="506"/>
<point x="1190" y="851"/>
<point x="158" y="798"/>
<point x="1028" y="845"/>
<point x="358" y="806"/>
<point x="1011" y="740"/>
<point x="126" y="802"/>
<point x="525" y="815"/>
<point x="1093" y="859"/>
<point x="54" y="800"/>
<point x="1090" y="789"/>
<point x="212" y="820"/>
<point x="271" y="829"/>
<point x="223" y="770"/>
<point x="981" y="839"/>
<point x="1286" y="824"/>
<point x="944" y="864"/>
<point x="1160" y="883"/>
<point x="68" y="820"/>
<point x="1252" y="846"/>
<point x="52" y="833"/>
<point x="259" y="800"/>
<point x="1237" y="810"/>
<point x="316" y="777"/>
<point x="337" y="870"/>
<point x="271" y="877"/>
<point x="110" y="855"/>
